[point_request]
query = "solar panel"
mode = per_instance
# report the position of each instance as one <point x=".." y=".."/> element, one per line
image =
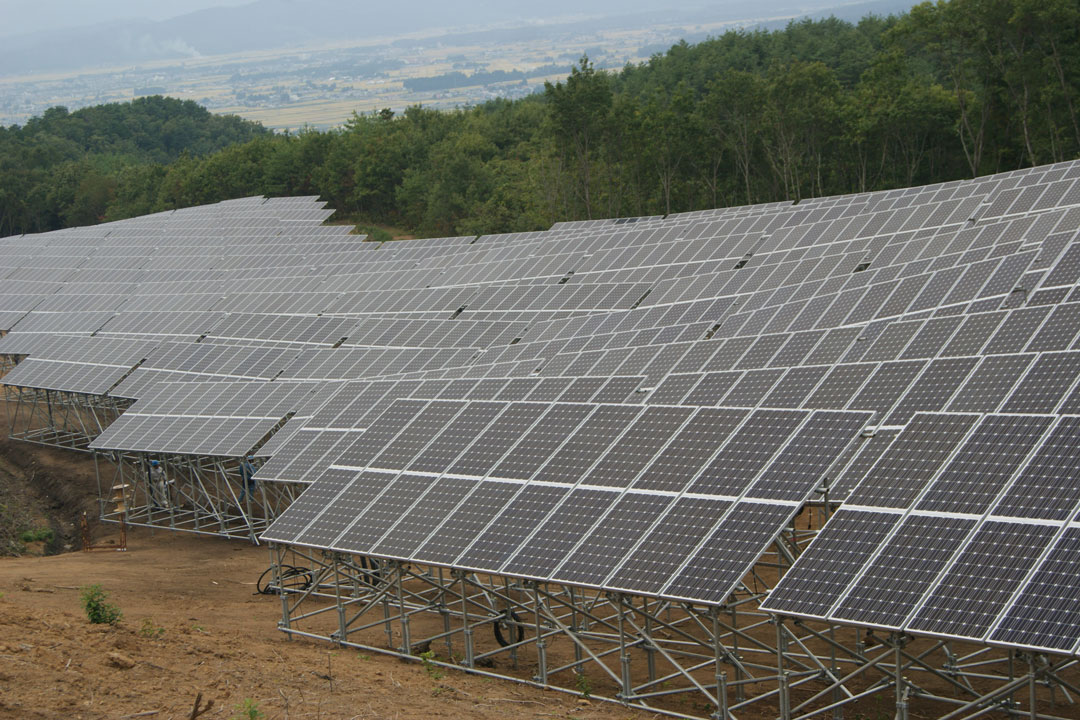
<point x="747" y="452"/>
<point x="894" y="582"/>
<point x="640" y="442"/>
<point x="464" y="524"/>
<point x="912" y="460"/>
<point x="840" y="551"/>
<point x="296" y="517"/>
<point x="493" y="546"/>
<point x="447" y="445"/>
<point x="729" y="552"/>
<point x="688" y="451"/>
<point x="982" y="579"/>
<point x="389" y="424"/>
<point x="655" y="559"/>
<point x="607" y="542"/>
<point x="557" y="536"/>
<point x="416" y="435"/>
<point x="481" y="456"/>
<point x="1043" y="615"/>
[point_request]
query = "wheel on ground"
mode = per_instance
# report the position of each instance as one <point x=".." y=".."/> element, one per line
<point x="508" y="629"/>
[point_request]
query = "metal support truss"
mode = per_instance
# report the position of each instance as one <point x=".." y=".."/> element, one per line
<point x="59" y="419"/>
<point x="833" y="667"/>
<point x="681" y="659"/>
<point x="676" y="658"/>
<point x="202" y="495"/>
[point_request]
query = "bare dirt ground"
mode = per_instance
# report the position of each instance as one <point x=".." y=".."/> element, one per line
<point x="191" y="624"/>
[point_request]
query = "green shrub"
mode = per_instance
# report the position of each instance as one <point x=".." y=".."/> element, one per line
<point x="98" y="611"/>
<point x="583" y="685"/>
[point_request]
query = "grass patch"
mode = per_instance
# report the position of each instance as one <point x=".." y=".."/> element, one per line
<point x="42" y="534"/>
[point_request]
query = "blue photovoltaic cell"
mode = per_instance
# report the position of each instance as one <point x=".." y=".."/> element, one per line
<point x="343" y="511"/>
<point x="544" y="438"/>
<point x="690" y="449"/>
<point x="661" y="552"/>
<point x="984" y="463"/>
<point x="1044" y="615"/>
<point x="637" y="446"/>
<point x="461" y="527"/>
<point x="301" y="512"/>
<point x="747" y="452"/>
<point x="729" y="552"/>
<point x="1047" y="486"/>
<point x="553" y="540"/>
<point x="912" y="460"/>
<point x="837" y="555"/>
<point x="379" y="516"/>
<point x="800" y="467"/>
<point x="488" y="448"/>
<point x="982" y="579"/>
<point x="896" y="580"/>
<point x="494" y="546"/>
<point x="610" y="540"/>
<point x="587" y="443"/>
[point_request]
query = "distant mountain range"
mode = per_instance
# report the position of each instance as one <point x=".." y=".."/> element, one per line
<point x="273" y="24"/>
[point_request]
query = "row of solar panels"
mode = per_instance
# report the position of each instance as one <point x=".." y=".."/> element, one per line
<point x="830" y="314"/>
<point x="564" y="492"/>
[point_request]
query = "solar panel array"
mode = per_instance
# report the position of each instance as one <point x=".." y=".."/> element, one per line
<point x="966" y="527"/>
<point x="639" y="403"/>
<point x="205" y="418"/>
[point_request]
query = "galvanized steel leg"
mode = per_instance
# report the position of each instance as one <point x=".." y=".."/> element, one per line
<point x="624" y="651"/>
<point x="467" y="630"/>
<point x="541" y="643"/>
<point x="403" y="615"/>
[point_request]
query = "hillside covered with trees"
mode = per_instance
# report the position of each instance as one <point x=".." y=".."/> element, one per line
<point x="65" y="169"/>
<point x="946" y="91"/>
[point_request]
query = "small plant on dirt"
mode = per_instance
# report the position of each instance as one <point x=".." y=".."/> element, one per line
<point x="583" y="685"/>
<point x="434" y="671"/>
<point x="248" y="710"/>
<point x="362" y="656"/>
<point x="98" y="611"/>
<point x="150" y="630"/>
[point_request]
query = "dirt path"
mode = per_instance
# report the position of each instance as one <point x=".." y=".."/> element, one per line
<point x="192" y="623"/>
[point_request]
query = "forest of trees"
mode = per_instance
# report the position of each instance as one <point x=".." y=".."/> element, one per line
<point x="65" y="169"/>
<point x="946" y="91"/>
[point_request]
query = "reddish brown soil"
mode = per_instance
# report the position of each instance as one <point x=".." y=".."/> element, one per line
<point x="192" y="623"/>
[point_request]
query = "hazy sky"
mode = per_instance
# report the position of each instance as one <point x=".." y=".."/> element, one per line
<point x="19" y="16"/>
